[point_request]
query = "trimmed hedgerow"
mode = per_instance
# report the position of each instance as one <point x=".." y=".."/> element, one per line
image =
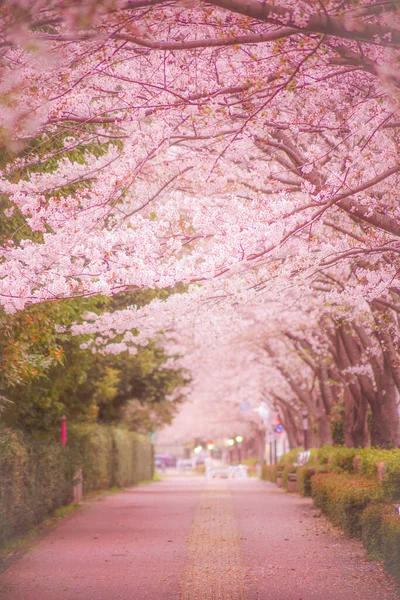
<point x="381" y="535"/>
<point x="370" y="457"/>
<point x="263" y="473"/>
<point x="93" y="446"/>
<point x="357" y="502"/>
<point x="289" y="468"/>
<point x="34" y="481"/>
<point x="304" y="475"/>
<point x="289" y="457"/>
<point x="335" y="458"/>
<point x="36" y="477"/>
<point x="343" y="498"/>
<point x="269" y="473"/>
<point x="132" y="458"/>
<point x="340" y="459"/>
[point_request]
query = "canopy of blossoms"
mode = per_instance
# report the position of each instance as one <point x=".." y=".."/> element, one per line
<point x="246" y="150"/>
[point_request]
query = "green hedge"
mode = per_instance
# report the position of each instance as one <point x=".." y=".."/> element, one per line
<point x="357" y="502"/>
<point x="340" y="459"/>
<point x="381" y="535"/>
<point x="304" y="475"/>
<point x="289" y="457"/>
<point x="36" y="477"/>
<point x="268" y="473"/>
<point x="335" y="458"/>
<point x="369" y="457"/>
<point x="34" y="481"/>
<point x="344" y="497"/>
<point x="110" y="456"/>
<point x="289" y="468"/>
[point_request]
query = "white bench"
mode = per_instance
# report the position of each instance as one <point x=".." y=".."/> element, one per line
<point x="185" y="464"/>
<point x="238" y="472"/>
<point x="302" y="458"/>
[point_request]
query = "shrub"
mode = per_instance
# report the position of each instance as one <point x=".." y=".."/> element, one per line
<point x="264" y="473"/>
<point x="271" y="473"/>
<point x="93" y="447"/>
<point x="251" y="464"/>
<point x="391" y="543"/>
<point x="344" y="497"/>
<point x="391" y="480"/>
<point x="342" y="459"/>
<point x="289" y="468"/>
<point x="289" y="457"/>
<point x="34" y="481"/>
<point x="371" y="523"/>
<point x="391" y="458"/>
<point x="123" y="459"/>
<point x="304" y="475"/>
<point x="381" y="535"/>
<point x="36" y="477"/>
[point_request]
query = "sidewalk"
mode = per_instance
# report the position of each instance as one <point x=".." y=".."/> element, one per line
<point x="186" y="539"/>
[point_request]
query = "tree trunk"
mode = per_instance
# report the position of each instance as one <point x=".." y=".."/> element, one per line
<point x="355" y="403"/>
<point x="385" y="430"/>
<point x="385" y="427"/>
<point x="289" y="423"/>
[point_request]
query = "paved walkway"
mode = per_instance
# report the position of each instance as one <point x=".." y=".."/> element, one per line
<point x="185" y="539"/>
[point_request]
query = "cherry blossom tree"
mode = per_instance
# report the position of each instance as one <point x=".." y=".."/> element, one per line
<point x="246" y="150"/>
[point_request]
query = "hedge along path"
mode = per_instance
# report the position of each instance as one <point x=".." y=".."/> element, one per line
<point x="213" y="569"/>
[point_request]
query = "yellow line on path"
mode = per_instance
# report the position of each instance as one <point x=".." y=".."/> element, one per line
<point x="213" y="569"/>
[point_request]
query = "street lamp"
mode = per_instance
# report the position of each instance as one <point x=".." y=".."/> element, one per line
<point x="231" y="443"/>
<point x="239" y="440"/>
<point x="305" y="429"/>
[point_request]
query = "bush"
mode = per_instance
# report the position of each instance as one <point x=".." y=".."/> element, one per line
<point x="132" y="458"/>
<point x="269" y="473"/>
<point x="344" y="497"/>
<point x="251" y="464"/>
<point x="369" y="457"/>
<point x="391" y="543"/>
<point x="342" y="459"/>
<point x="36" y="477"/>
<point x="371" y="523"/>
<point x="381" y="535"/>
<point x="93" y="451"/>
<point x="304" y="475"/>
<point x="34" y="481"/>
<point x="289" y="468"/>
<point x="264" y="473"/>
<point x="289" y="457"/>
<point x="335" y="458"/>
<point x="391" y="480"/>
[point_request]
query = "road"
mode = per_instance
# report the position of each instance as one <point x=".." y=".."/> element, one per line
<point x="188" y="539"/>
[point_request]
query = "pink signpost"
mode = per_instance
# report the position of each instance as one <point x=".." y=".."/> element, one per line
<point x="64" y="431"/>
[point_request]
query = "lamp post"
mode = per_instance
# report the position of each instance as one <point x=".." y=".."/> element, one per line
<point x="265" y="414"/>
<point x="239" y="440"/>
<point x="231" y="443"/>
<point x="305" y="429"/>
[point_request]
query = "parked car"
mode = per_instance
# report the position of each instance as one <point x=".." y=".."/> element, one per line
<point x="163" y="460"/>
